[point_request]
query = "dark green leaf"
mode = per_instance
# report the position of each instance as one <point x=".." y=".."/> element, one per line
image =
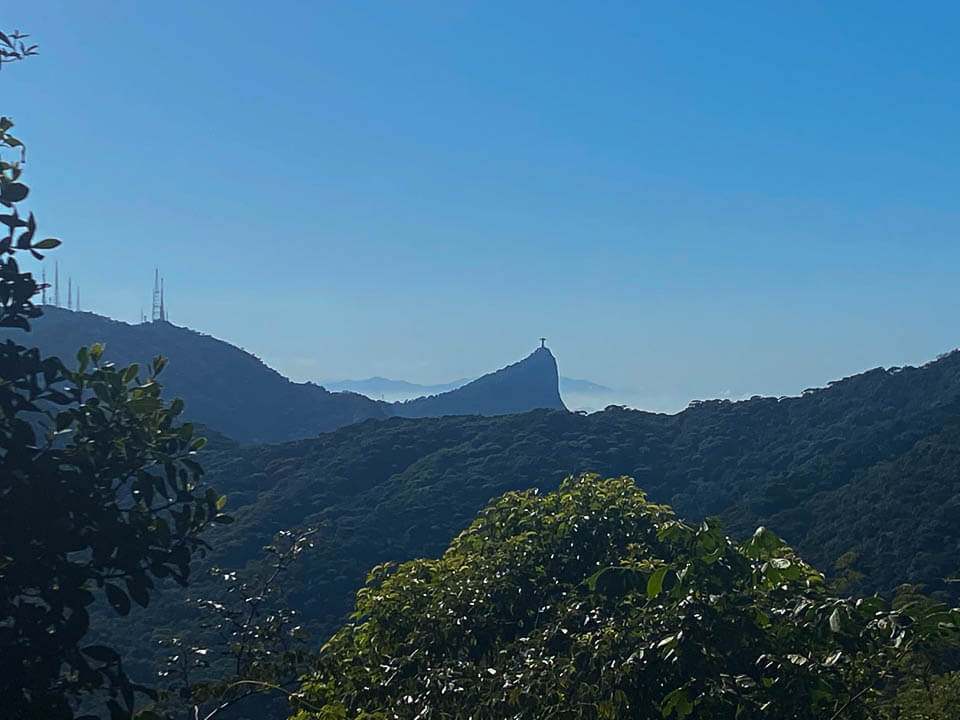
<point x="14" y="192"/>
<point x="137" y="587"/>
<point x="102" y="653"/>
<point x="118" y="599"/>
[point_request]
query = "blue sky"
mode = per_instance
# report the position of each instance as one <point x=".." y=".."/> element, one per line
<point x="688" y="200"/>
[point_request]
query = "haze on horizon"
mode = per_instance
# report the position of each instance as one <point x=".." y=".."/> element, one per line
<point x="688" y="201"/>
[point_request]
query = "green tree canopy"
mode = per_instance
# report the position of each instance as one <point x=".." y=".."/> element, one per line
<point x="592" y="602"/>
<point x="934" y="698"/>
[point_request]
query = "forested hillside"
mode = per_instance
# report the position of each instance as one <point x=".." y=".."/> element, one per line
<point x="870" y="464"/>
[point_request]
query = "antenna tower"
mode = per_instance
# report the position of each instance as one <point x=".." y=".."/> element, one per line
<point x="43" y="286"/>
<point x="155" y="313"/>
<point x="163" y="312"/>
<point x="56" y="284"/>
<point x="70" y="293"/>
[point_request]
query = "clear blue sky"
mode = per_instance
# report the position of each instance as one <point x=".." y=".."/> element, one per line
<point x="688" y="199"/>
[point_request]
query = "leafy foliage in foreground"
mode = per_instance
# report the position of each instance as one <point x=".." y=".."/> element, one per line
<point x="592" y="602"/>
<point x="13" y="47"/>
<point x="104" y="503"/>
<point x="98" y="492"/>
<point x="249" y="647"/>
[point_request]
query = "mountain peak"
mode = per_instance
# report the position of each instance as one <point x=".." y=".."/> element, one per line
<point x="531" y="383"/>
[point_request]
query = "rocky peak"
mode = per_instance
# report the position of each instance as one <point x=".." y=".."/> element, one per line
<point x="530" y="384"/>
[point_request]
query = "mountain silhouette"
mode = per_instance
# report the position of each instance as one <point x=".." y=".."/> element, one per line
<point x="531" y="384"/>
<point x="237" y="394"/>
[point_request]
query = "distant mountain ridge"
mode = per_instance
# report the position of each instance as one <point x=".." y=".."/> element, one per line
<point x="237" y="394"/>
<point x="381" y="388"/>
<point x="392" y="390"/>
<point x="583" y="387"/>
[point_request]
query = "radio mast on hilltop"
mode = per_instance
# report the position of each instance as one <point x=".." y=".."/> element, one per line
<point x="43" y="286"/>
<point x="56" y="284"/>
<point x="155" y="313"/>
<point x="159" y="312"/>
<point x="70" y="293"/>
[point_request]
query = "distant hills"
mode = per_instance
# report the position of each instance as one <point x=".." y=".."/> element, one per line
<point x="380" y="388"/>
<point x="584" y="387"/>
<point x="237" y="394"/>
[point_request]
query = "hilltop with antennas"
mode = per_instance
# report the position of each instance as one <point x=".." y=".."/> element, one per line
<point x="158" y="311"/>
<point x="73" y="294"/>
